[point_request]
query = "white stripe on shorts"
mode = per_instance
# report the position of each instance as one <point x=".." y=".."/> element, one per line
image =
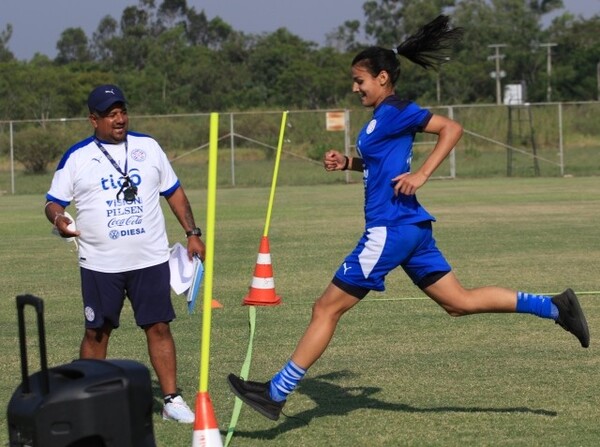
<point x="373" y="248"/>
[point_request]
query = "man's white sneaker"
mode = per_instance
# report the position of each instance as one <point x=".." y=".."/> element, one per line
<point x="178" y="410"/>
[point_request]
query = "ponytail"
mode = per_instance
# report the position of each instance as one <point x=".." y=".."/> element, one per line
<point x="427" y="46"/>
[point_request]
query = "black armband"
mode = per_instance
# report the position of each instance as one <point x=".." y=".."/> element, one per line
<point x="357" y="164"/>
<point x="346" y="164"/>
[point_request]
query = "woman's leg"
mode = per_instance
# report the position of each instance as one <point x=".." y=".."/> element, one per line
<point x="326" y="313"/>
<point x="458" y="301"/>
<point x="563" y="308"/>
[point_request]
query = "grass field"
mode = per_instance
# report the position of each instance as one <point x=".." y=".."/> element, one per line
<point x="399" y="372"/>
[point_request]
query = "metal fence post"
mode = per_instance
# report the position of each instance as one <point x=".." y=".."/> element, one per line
<point x="12" y="160"/>
<point x="560" y="140"/>
<point x="347" y="139"/>
<point x="452" y="157"/>
<point x="232" y="144"/>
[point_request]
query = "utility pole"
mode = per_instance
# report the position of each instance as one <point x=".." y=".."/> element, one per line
<point x="497" y="74"/>
<point x="548" y="68"/>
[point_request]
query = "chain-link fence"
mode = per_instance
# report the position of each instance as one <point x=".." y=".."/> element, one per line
<point x="527" y="140"/>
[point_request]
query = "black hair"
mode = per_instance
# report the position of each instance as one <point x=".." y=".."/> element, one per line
<point x="427" y="48"/>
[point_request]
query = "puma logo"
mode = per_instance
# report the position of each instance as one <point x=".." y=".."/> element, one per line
<point x="346" y="268"/>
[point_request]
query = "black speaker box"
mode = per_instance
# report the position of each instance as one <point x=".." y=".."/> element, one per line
<point x="85" y="403"/>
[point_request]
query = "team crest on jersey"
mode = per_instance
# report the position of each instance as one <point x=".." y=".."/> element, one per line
<point x="371" y="126"/>
<point x="138" y="154"/>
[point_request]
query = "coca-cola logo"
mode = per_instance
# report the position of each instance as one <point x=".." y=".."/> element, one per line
<point x="124" y="221"/>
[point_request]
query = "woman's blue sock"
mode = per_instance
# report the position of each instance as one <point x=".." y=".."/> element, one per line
<point x="286" y="381"/>
<point x="540" y="305"/>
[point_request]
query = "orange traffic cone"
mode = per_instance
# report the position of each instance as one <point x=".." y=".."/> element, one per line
<point x="262" y="291"/>
<point x="206" y="431"/>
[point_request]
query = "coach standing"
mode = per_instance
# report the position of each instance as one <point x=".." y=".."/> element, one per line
<point x="115" y="179"/>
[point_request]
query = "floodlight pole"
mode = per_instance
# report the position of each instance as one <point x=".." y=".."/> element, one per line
<point x="497" y="56"/>
<point x="548" y="68"/>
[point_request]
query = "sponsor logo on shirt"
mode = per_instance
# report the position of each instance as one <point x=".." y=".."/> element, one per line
<point x="122" y="216"/>
<point x="116" y="234"/>
<point x="116" y="183"/>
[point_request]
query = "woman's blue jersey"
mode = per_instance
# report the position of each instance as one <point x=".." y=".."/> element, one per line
<point x="385" y="145"/>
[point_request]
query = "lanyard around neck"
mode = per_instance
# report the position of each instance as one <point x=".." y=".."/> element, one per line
<point x="112" y="160"/>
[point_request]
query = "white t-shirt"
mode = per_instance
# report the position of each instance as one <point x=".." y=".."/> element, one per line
<point x="116" y="236"/>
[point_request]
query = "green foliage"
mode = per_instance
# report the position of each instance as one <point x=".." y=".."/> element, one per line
<point x="73" y="47"/>
<point x="5" y="35"/>
<point x="170" y="58"/>
<point x="37" y="146"/>
<point x="578" y="44"/>
<point x="317" y="151"/>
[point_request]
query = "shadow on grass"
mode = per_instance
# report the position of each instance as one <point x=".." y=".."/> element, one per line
<point x="334" y="400"/>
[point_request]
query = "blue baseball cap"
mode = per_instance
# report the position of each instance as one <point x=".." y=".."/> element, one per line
<point x="104" y="96"/>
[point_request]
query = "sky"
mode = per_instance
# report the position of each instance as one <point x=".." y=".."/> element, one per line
<point x="38" y="24"/>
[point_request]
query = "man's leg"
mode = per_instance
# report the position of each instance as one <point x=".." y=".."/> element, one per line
<point x="161" y="348"/>
<point x="95" y="342"/>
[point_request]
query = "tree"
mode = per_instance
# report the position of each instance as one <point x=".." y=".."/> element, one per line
<point x="5" y="54"/>
<point x="171" y="13"/>
<point x="36" y="147"/>
<point x="576" y="57"/>
<point x="126" y="44"/>
<point x="275" y="59"/>
<point x="131" y="50"/>
<point x="345" y="37"/>
<point x="210" y="33"/>
<point x="541" y="7"/>
<point x="389" y="22"/>
<point x="478" y="20"/>
<point x="102" y="39"/>
<point x="165" y="60"/>
<point x="73" y="47"/>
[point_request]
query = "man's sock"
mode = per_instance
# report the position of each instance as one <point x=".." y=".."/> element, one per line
<point x="540" y="305"/>
<point x="286" y="381"/>
<point x="169" y="397"/>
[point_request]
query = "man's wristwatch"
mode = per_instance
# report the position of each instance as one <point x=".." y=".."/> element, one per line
<point x="195" y="232"/>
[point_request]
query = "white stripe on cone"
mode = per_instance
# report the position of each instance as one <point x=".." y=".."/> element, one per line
<point x="205" y="438"/>
<point x="263" y="283"/>
<point x="263" y="258"/>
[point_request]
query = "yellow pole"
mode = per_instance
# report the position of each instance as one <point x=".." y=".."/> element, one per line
<point x="210" y="250"/>
<point x="275" y="173"/>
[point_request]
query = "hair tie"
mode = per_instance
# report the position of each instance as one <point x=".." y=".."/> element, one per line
<point x="395" y="50"/>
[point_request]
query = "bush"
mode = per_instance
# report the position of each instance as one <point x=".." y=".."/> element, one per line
<point x="317" y="151"/>
<point x="36" y="147"/>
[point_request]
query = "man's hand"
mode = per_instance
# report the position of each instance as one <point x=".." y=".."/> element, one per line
<point x="195" y="246"/>
<point x="65" y="226"/>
